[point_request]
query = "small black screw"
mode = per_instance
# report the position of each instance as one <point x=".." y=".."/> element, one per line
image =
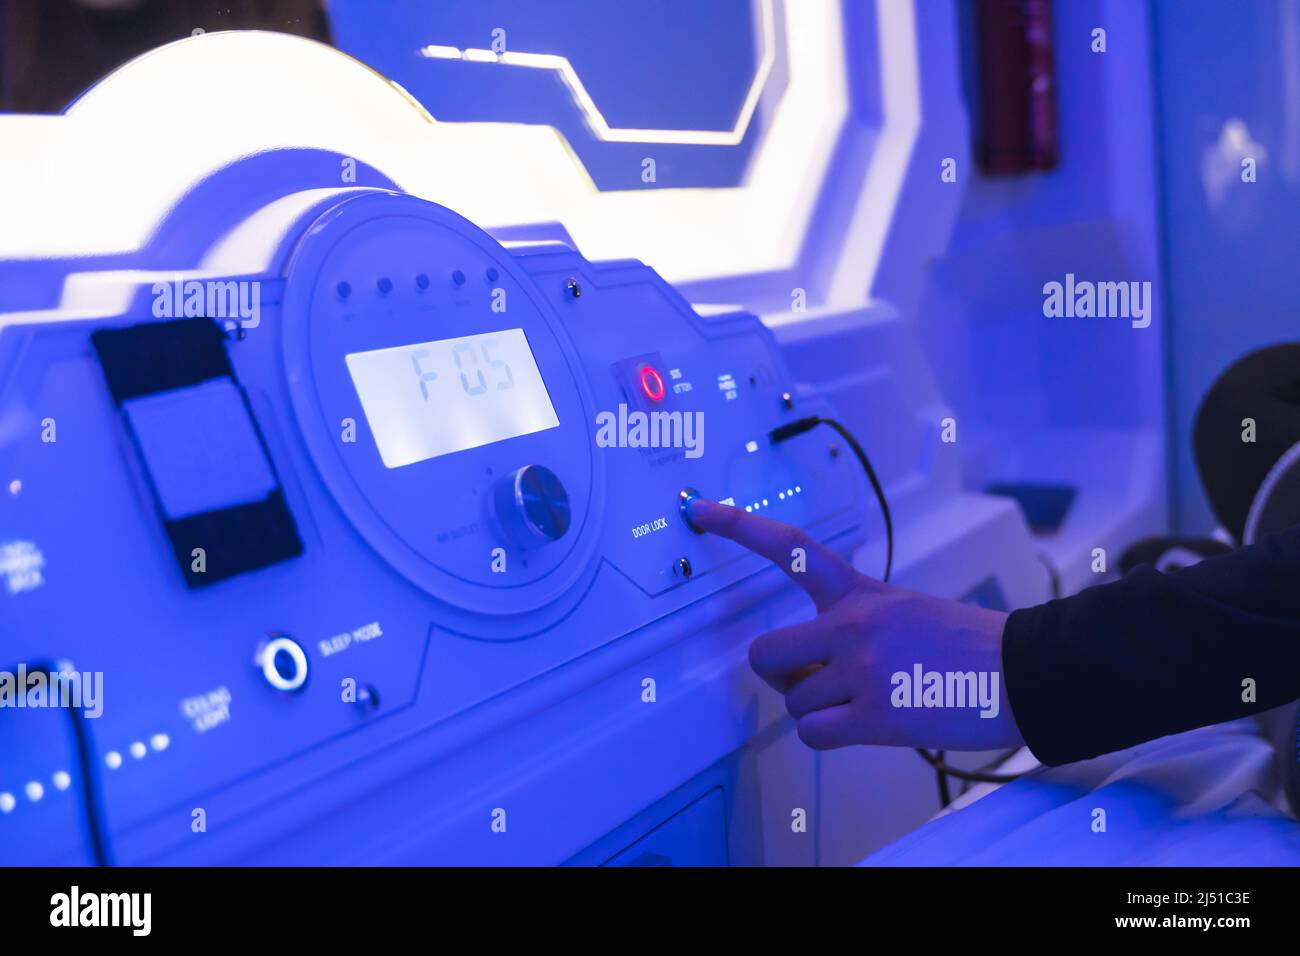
<point x="573" y="289"/>
<point x="684" y="567"/>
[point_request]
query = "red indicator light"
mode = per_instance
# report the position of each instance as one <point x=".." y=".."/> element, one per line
<point x="652" y="384"/>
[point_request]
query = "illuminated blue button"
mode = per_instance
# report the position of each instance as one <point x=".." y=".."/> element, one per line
<point x="685" y="498"/>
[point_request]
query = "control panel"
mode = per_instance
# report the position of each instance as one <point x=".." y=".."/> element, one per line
<point x="426" y="488"/>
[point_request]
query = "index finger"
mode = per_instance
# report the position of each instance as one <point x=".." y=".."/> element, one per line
<point x="826" y="577"/>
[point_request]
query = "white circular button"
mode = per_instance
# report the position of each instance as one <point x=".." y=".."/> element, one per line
<point x="284" y="664"/>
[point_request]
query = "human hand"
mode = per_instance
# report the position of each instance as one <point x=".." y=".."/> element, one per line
<point x="863" y="670"/>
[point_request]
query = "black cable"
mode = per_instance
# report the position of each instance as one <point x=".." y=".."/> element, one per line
<point x="92" y="805"/>
<point x="941" y="778"/>
<point x="943" y="770"/>
<point x="936" y="761"/>
<point x="790" y="429"/>
<point x="988" y="766"/>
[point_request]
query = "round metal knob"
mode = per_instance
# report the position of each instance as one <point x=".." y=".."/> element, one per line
<point x="533" y="505"/>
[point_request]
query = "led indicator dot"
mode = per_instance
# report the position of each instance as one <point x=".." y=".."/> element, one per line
<point x="798" y="489"/>
<point x="15" y="486"/>
<point x="7" y="802"/>
<point x="113" y="759"/>
<point x="749" y="508"/>
<point x="62" y="780"/>
<point x="34" y="791"/>
<point x="138" y="750"/>
<point x="781" y="496"/>
<point x="790" y="492"/>
<point x="160" y="742"/>
<point x="764" y="502"/>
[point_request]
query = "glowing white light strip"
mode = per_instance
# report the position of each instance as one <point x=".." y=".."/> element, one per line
<point x="62" y="198"/>
<point x="596" y="121"/>
<point x="101" y="295"/>
<point x="877" y="204"/>
<point x="441" y="52"/>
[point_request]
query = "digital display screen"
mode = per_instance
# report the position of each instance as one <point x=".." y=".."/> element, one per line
<point x="435" y="398"/>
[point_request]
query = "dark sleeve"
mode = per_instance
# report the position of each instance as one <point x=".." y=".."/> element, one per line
<point x="1155" y="654"/>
